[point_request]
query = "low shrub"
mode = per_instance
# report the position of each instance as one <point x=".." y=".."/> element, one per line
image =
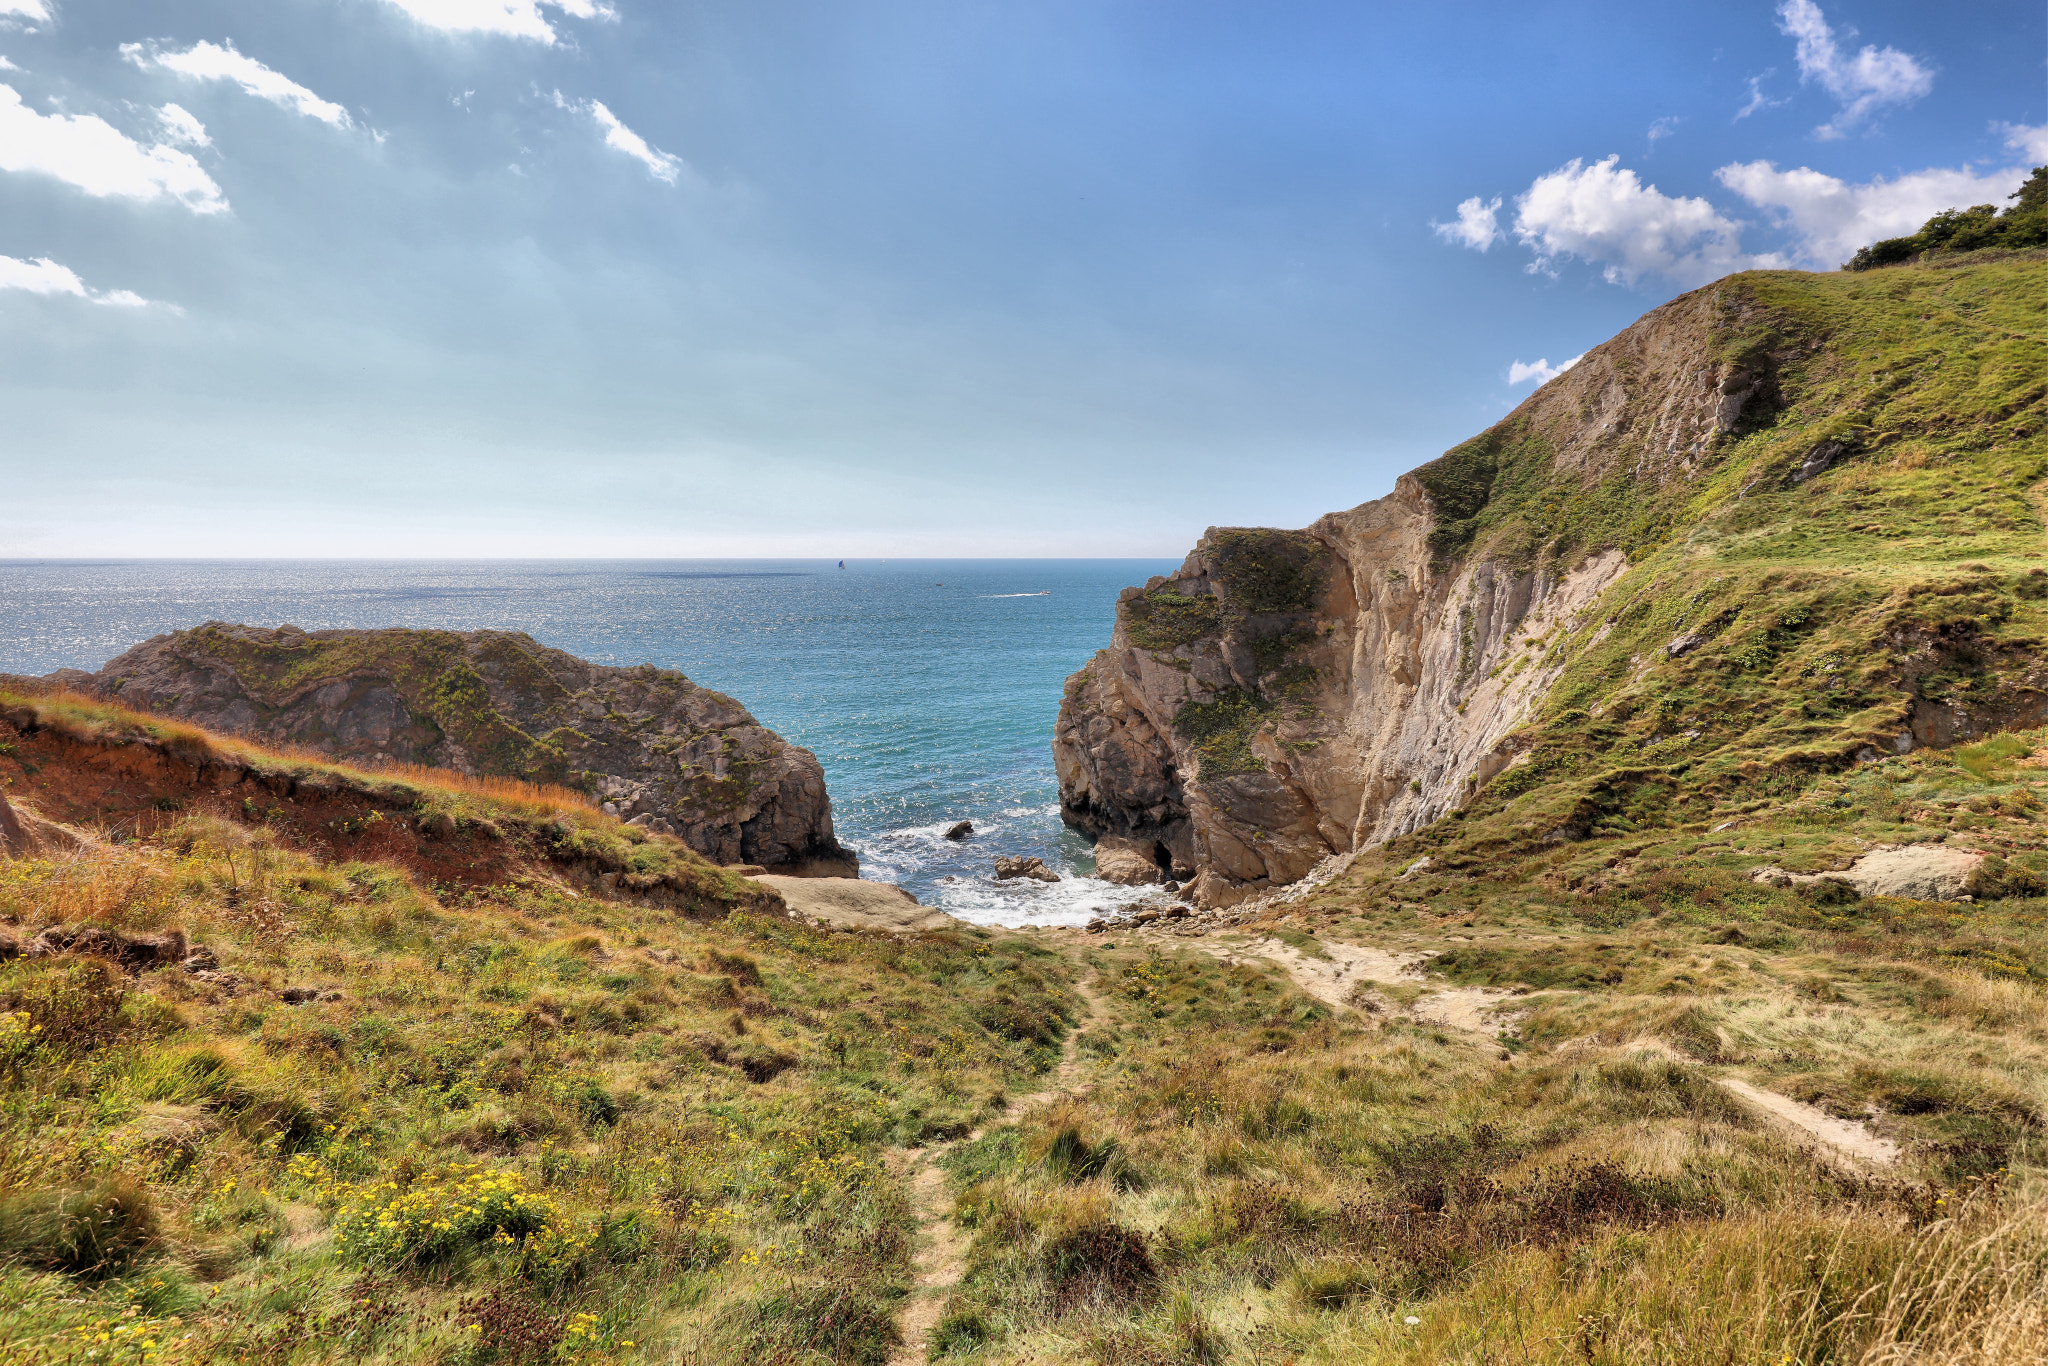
<point x="89" y="1233"/>
<point x="506" y="1328"/>
<point x="439" y="1213"/>
<point x="76" y="1009"/>
<point x="1097" y="1263"/>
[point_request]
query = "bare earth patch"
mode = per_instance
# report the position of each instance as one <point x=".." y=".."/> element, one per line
<point x="942" y="1254"/>
<point x="1845" y="1137"/>
<point x="1336" y="979"/>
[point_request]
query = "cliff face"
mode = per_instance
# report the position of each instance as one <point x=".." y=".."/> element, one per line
<point x="1247" y="749"/>
<point x="1289" y="695"/>
<point x="650" y="744"/>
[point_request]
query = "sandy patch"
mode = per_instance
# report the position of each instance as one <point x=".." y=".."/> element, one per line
<point x="849" y="903"/>
<point x="1845" y="1137"/>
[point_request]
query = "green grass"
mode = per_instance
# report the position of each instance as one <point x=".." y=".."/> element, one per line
<point x="575" y="1120"/>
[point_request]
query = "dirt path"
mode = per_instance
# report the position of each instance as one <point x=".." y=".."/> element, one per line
<point x="942" y="1252"/>
<point x="1337" y="978"/>
<point x="1844" y="1136"/>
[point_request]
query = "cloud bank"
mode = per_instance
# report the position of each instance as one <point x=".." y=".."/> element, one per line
<point x="207" y="62"/>
<point x="1477" y="226"/>
<point x="180" y="125"/>
<point x="2031" y="143"/>
<point x="661" y="165"/>
<point x="44" y="276"/>
<point x="87" y="152"/>
<point x="1862" y="84"/>
<point x="509" y="18"/>
<point x="1831" y="218"/>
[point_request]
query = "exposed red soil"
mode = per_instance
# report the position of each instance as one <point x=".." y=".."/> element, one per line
<point x="119" y="786"/>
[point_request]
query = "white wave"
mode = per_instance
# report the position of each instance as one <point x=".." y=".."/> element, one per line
<point x="913" y="854"/>
<point x="1073" y="900"/>
<point x="1014" y="595"/>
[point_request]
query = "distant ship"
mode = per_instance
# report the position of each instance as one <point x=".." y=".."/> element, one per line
<point x="842" y="564"/>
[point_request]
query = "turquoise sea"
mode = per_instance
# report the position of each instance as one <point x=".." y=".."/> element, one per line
<point x="927" y="688"/>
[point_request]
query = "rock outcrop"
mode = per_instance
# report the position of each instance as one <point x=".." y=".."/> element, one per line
<point x="1132" y="863"/>
<point x="1287" y="696"/>
<point x="650" y="745"/>
<point x="1923" y="872"/>
<point x="1012" y="865"/>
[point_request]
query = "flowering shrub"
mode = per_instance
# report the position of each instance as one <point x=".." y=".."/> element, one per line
<point x="385" y="1223"/>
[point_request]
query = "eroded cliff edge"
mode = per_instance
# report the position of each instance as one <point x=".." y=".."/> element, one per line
<point x="652" y="746"/>
<point x="1634" y="554"/>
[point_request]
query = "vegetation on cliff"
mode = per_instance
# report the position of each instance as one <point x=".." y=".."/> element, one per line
<point x="2021" y="226"/>
<point x="1822" y="495"/>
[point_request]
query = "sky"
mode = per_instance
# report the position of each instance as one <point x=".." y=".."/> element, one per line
<point x="889" y="278"/>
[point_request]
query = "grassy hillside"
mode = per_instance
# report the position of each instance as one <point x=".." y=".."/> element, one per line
<point x="401" y="1119"/>
<point x="1863" y="560"/>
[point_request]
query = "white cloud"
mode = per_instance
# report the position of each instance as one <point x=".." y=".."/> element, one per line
<point x="512" y="18"/>
<point x="660" y="165"/>
<point x="26" y="9"/>
<point x="1664" y="128"/>
<point x="1605" y="215"/>
<point x="207" y="62"/>
<point x="44" y="276"/>
<point x="1864" y="83"/>
<point x="1476" y="227"/>
<point x="86" y="151"/>
<point x="6" y="65"/>
<point x="1540" y="369"/>
<point x="1832" y="218"/>
<point x="1757" y="98"/>
<point x="2031" y="143"/>
<point x="181" y="126"/>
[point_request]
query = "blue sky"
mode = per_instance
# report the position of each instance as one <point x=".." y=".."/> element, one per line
<point x="1066" y="277"/>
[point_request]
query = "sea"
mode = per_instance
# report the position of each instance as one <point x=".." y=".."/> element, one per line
<point x="927" y="688"/>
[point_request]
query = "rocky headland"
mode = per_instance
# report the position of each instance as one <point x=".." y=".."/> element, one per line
<point x="1748" y="495"/>
<point x="652" y="747"/>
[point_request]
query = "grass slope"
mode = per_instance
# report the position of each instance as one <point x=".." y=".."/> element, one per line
<point x="514" y="1120"/>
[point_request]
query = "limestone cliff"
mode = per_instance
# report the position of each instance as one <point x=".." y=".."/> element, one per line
<point x="651" y="745"/>
<point x="1289" y="695"/>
